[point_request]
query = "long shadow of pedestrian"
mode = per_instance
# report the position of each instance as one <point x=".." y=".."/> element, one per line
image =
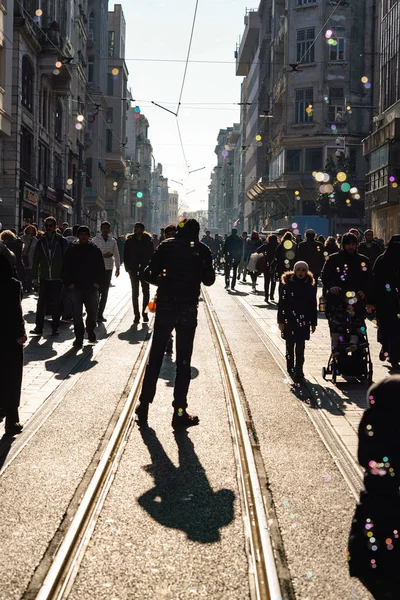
<point x="78" y="364"/>
<point x="237" y="293"/>
<point x="182" y="497"/>
<point x="168" y="371"/>
<point x="35" y="351"/>
<point x="353" y="394"/>
<point x="5" y="446"/>
<point x="133" y="335"/>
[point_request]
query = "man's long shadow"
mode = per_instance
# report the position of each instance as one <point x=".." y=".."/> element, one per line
<point x="182" y="497"/>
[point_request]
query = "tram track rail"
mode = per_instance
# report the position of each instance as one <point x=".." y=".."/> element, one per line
<point x="67" y="557"/>
<point x="56" y="578"/>
<point x="267" y="585"/>
<point x="347" y="465"/>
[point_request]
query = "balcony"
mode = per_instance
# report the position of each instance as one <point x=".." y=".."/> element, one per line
<point x="244" y="52"/>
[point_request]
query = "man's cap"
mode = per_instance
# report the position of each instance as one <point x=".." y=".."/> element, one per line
<point x="349" y="238"/>
<point x="83" y="229"/>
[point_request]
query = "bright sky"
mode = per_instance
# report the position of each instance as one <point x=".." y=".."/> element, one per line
<point x="160" y="29"/>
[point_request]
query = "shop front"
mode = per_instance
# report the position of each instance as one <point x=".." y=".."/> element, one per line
<point x="30" y="205"/>
<point x="386" y="222"/>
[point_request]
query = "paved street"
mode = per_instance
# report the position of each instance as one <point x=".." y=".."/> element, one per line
<point x="172" y="485"/>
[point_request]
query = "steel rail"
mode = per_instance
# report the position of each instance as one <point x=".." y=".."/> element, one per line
<point x="67" y="559"/>
<point x="262" y="554"/>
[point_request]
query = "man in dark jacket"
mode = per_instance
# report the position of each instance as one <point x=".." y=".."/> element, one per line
<point x="83" y="274"/>
<point x="232" y="251"/>
<point x="13" y="337"/>
<point x="370" y="248"/>
<point x="138" y="251"/>
<point x="347" y="271"/>
<point x="209" y="241"/>
<point x="178" y="267"/>
<point x="312" y="252"/>
<point x="47" y="267"/>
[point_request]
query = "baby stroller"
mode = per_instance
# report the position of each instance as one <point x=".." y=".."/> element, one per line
<point x="350" y="355"/>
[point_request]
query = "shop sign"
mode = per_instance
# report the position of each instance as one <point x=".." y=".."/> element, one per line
<point x="30" y="197"/>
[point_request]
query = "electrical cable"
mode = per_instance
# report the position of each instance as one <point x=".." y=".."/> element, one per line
<point x="188" y="55"/>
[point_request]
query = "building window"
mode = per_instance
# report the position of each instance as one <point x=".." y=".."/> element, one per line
<point x="303" y="99"/>
<point x="58" y="121"/>
<point x="109" y="140"/>
<point x="389" y="55"/>
<point x="44" y="164"/>
<point x="44" y="110"/>
<point x="305" y="45"/>
<point x="111" y="43"/>
<point x="110" y="84"/>
<point x="27" y="83"/>
<point x="293" y="159"/>
<point x="336" y="108"/>
<point x="304" y="2"/>
<point x="90" y="72"/>
<point x="91" y="26"/>
<point x="89" y="164"/>
<point x="313" y="159"/>
<point x="337" y="47"/>
<point x="109" y="115"/>
<point x="58" y="176"/>
<point x="124" y="196"/>
<point x="26" y="154"/>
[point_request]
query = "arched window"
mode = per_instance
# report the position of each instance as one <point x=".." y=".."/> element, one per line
<point x="58" y="120"/>
<point x="91" y="26"/>
<point x="27" y="83"/>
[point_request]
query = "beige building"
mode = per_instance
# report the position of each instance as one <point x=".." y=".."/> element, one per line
<point x="173" y="202"/>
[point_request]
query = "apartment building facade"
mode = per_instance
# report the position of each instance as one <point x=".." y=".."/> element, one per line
<point x="382" y="146"/>
<point x="303" y="61"/>
<point x="40" y="153"/>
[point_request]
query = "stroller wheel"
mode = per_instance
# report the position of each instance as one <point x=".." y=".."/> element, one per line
<point x="323" y="372"/>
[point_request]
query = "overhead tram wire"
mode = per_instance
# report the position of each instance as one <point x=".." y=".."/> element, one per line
<point x="188" y="56"/>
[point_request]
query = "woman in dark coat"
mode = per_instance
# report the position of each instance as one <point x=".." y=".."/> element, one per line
<point x="13" y="337"/>
<point x="374" y="543"/>
<point x="285" y="255"/>
<point x="330" y="246"/>
<point x="268" y="248"/>
<point x="386" y="297"/>
<point x="251" y="246"/>
<point x="297" y="314"/>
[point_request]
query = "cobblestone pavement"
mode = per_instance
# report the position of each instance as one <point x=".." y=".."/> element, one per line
<point x="49" y="362"/>
<point x="344" y="402"/>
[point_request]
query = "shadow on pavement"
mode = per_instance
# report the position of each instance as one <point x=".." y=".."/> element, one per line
<point x="168" y="371"/>
<point x="237" y="293"/>
<point x="5" y="446"/>
<point x="35" y="351"/>
<point x="134" y="335"/>
<point x="353" y="394"/>
<point x="182" y="497"/>
<point x="85" y="362"/>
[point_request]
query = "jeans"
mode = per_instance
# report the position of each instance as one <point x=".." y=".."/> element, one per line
<point x="228" y="266"/>
<point x="11" y="366"/>
<point x="184" y="320"/>
<point x="104" y="292"/>
<point x="293" y="348"/>
<point x="89" y="298"/>
<point x="49" y="293"/>
<point x="242" y="269"/>
<point x="135" y="281"/>
<point x="269" y="279"/>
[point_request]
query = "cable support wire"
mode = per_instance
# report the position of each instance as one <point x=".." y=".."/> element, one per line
<point x="187" y="58"/>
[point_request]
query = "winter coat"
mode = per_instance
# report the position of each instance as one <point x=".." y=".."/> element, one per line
<point x="351" y="272"/>
<point x="378" y="511"/>
<point x="83" y="266"/>
<point x="28" y="250"/>
<point x="49" y="257"/>
<point x="372" y="252"/>
<point x="312" y="252"/>
<point x="210" y="242"/>
<point x="268" y="249"/>
<point x="108" y="245"/>
<point x="178" y="267"/>
<point x="331" y="249"/>
<point x="250" y="247"/>
<point x="137" y="253"/>
<point x="297" y="308"/>
<point x="12" y="324"/>
<point x="281" y="255"/>
<point x="233" y="248"/>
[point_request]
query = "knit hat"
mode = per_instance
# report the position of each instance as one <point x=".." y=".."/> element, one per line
<point x="349" y="238"/>
<point x="310" y="233"/>
<point x="301" y="264"/>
